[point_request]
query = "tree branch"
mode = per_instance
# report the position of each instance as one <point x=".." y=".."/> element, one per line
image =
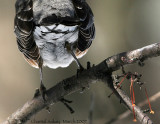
<point x="101" y="72"/>
<point x="141" y="104"/>
<point x="142" y="117"/>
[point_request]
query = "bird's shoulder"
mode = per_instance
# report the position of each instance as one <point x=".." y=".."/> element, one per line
<point x="48" y="12"/>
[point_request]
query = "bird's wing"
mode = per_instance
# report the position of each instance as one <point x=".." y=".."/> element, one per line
<point x="24" y="27"/>
<point x="86" y="28"/>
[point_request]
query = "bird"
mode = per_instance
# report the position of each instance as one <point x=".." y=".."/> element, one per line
<point x="53" y="33"/>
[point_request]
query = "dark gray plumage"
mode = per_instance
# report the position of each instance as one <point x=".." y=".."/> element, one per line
<point x="43" y="27"/>
<point x="53" y="33"/>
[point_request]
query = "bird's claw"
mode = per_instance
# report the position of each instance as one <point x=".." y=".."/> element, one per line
<point x="43" y="92"/>
<point x="37" y="93"/>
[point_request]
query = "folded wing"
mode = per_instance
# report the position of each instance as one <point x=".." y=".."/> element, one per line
<point x="86" y="28"/>
<point x="24" y="27"/>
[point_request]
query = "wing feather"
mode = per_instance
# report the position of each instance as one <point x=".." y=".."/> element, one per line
<point x="87" y="28"/>
<point x="24" y="28"/>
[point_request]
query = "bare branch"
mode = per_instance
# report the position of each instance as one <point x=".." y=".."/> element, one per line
<point x="101" y="72"/>
<point x="141" y="104"/>
<point x="139" y="55"/>
<point x="142" y="117"/>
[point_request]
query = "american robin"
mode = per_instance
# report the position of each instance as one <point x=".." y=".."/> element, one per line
<point x="53" y="33"/>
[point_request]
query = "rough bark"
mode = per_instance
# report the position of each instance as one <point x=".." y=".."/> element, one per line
<point x="101" y="72"/>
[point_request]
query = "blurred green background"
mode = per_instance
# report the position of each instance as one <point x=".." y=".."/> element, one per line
<point x="121" y="25"/>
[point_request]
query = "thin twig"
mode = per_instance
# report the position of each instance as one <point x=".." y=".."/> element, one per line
<point x="141" y="116"/>
<point x="141" y="104"/>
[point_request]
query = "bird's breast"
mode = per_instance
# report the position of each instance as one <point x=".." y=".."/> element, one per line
<point x="51" y="43"/>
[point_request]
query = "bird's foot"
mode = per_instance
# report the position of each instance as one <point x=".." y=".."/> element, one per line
<point x="80" y="70"/>
<point x="37" y="93"/>
<point x="65" y="101"/>
<point x="43" y="92"/>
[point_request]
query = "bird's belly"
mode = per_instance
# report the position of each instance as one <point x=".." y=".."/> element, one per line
<point x="51" y="43"/>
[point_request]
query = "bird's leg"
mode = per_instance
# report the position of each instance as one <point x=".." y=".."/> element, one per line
<point x="42" y="87"/>
<point x="77" y="61"/>
<point x="69" y="47"/>
<point x="42" y="90"/>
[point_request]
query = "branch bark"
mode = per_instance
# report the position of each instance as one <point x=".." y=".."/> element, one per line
<point x="101" y="72"/>
<point x="127" y="113"/>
